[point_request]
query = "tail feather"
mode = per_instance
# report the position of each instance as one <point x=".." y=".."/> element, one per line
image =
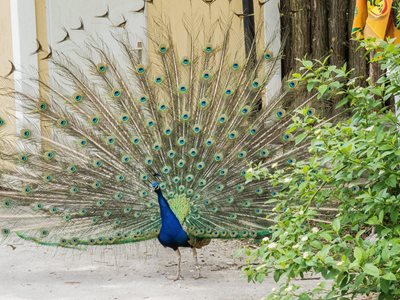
<point x="115" y="122"/>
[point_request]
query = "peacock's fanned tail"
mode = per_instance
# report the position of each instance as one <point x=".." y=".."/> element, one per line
<point x="115" y="122"/>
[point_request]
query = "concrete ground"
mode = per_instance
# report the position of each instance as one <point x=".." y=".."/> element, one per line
<point x="131" y="272"/>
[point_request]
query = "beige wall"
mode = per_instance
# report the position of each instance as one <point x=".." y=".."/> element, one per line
<point x="6" y="106"/>
<point x="174" y="10"/>
<point x="192" y="12"/>
<point x="41" y="31"/>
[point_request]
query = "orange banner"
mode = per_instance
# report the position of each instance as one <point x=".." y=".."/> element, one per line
<point x="377" y="19"/>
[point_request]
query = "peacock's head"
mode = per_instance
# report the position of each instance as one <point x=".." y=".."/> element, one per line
<point x="156" y="186"/>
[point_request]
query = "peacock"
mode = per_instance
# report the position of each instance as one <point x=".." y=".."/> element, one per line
<point x="115" y="150"/>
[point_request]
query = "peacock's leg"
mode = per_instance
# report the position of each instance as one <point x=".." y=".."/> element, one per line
<point x="197" y="264"/>
<point x="178" y="274"/>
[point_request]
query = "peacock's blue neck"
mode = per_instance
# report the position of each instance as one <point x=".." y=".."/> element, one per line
<point x="165" y="210"/>
<point x="171" y="233"/>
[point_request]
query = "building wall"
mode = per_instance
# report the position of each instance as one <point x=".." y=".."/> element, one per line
<point x="6" y="53"/>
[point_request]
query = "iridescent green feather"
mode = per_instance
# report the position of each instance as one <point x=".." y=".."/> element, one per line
<point x="191" y="116"/>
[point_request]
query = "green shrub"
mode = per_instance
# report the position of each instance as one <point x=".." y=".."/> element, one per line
<point x="337" y="212"/>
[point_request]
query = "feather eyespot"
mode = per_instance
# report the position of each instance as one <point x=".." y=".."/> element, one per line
<point x="228" y="91"/>
<point x="83" y="142"/>
<point x="232" y="135"/>
<point x="23" y="158"/>
<point x="158" y="79"/>
<point x="49" y="155"/>
<point x="150" y="123"/>
<point x="193" y="152"/>
<point x="280" y="113"/>
<point x="162" y="107"/>
<point x="268" y="55"/>
<point x="196" y="128"/>
<point x="142" y="99"/>
<point x="310" y="112"/>
<point x="62" y="123"/>
<point x="256" y="84"/>
<point x="223" y="172"/>
<point x="166" y="169"/>
<point x="110" y="140"/>
<point x="181" y="163"/>
<point x="25" y="133"/>
<point x="253" y="131"/>
<point x="222" y="119"/>
<point x="101" y="68"/>
<point x="124" y="119"/>
<point x="203" y="103"/>
<point x="242" y="154"/>
<point x="5" y="232"/>
<point x="208" y="49"/>
<point x="163" y="48"/>
<point x="135" y="140"/>
<point x="140" y="69"/>
<point x="181" y="141"/>
<point x="171" y="153"/>
<point x="42" y="106"/>
<point x="185" y="61"/>
<point x="292" y="84"/>
<point x="218" y="157"/>
<point x="95" y="120"/>
<point x="200" y="166"/>
<point x="148" y="161"/>
<point x="156" y="146"/>
<point x="206" y="75"/>
<point x="245" y="110"/>
<point x="287" y="137"/>
<point x="7" y="203"/>
<point x="77" y="97"/>
<point x="116" y="93"/>
<point x="183" y="89"/>
<point x="263" y="153"/>
<point x="167" y="131"/>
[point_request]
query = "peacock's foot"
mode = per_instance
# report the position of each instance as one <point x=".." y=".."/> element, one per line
<point x="199" y="277"/>
<point x="177" y="277"/>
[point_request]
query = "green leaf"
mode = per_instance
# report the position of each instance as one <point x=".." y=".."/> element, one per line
<point x="310" y="86"/>
<point x="336" y="224"/>
<point x="316" y="245"/>
<point x="380" y="216"/>
<point x="389" y="276"/>
<point x="372" y="270"/>
<point x="347" y="147"/>
<point x="342" y="102"/>
<point x="277" y="275"/>
<point x="326" y="236"/>
<point x="359" y="254"/>
<point x="304" y="297"/>
<point x="384" y="285"/>
<point x="308" y="64"/>
<point x="322" y="89"/>
<point x="373" y="221"/>
<point x="391" y="180"/>
<point x="300" y="138"/>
